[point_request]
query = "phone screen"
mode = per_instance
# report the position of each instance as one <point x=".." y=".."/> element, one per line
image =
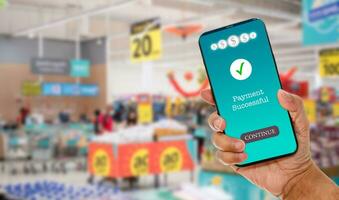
<point x="244" y="81"/>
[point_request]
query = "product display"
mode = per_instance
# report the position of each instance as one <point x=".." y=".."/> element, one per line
<point x="140" y="150"/>
<point x="56" y="190"/>
<point x="44" y="148"/>
<point x="143" y="133"/>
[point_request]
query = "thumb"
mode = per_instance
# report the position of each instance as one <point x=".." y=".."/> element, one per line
<point x="294" y="104"/>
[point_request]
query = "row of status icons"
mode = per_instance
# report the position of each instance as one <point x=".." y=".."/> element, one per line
<point x="233" y="41"/>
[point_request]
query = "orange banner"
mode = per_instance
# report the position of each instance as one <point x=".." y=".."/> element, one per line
<point x="127" y="160"/>
<point x="173" y="156"/>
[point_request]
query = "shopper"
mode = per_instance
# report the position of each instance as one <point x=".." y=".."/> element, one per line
<point x="132" y="121"/>
<point x="132" y="118"/>
<point x="119" y="111"/>
<point x="293" y="177"/>
<point x="98" y="120"/>
<point x="108" y="123"/>
<point x="23" y="114"/>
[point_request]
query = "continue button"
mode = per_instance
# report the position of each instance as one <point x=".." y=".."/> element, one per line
<point x="260" y="134"/>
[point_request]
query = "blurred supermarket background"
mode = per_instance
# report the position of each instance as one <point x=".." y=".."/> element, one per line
<point x="100" y="99"/>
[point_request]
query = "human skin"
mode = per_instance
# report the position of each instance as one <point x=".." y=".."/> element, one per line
<point x="292" y="177"/>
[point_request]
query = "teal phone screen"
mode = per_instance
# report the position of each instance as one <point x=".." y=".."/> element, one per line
<point x="244" y="80"/>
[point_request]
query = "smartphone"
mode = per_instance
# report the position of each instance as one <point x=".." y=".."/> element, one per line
<point x="244" y="81"/>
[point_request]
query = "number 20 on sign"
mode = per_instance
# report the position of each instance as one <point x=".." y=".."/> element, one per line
<point x="145" y="40"/>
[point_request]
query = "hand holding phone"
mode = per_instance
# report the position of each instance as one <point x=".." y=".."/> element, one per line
<point x="291" y="177"/>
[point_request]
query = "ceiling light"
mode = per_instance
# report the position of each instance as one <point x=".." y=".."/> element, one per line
<point x="31" y="35"/>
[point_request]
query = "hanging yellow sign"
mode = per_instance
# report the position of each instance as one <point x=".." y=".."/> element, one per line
<point x="336" y="109"/>
<point x="311" y="110"/>
<point x="145" y="113"/>
<point x="329" y="62"/>
<point x="145" y="40"/>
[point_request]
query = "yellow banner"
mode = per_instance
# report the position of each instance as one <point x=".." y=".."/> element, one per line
<point x="145" y="41"/>
<point x="329" y="62"/>
<point x="145" y="113"/>
<point x="311" y="110"/>
<point x="336" y="109"/>
<point x="31" y="88"/>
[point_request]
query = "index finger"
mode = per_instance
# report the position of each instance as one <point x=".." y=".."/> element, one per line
<point x="207" y="96"/>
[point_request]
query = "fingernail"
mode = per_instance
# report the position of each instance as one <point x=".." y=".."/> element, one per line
<point x="288" y="97"/>
<point x="239" y="145"/>
<point x="243" y="156"/>
<point x="217" y="124"/>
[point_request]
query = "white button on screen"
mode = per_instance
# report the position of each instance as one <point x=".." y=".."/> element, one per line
<point x="253" y="35"/>
<point x="233" y="41"/>
<point x="244" y="37"/>
<point x="214" y="46"/>
<point x="222" y="44"/>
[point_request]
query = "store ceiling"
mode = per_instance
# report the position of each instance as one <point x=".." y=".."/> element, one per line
<point x="63" y="19"/>
<point x="21" y="16"/>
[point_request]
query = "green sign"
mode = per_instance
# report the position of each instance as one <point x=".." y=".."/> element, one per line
<point x="3" y="3"/>
<point x="320" y="21"/>
<point x="80" y="68"/>
<point x="31" y="88"/>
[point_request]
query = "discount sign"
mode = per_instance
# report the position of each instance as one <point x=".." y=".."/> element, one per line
<point x="329" y="63"/>
<point x="139" y="163"/>
<point x="100" y="159"/>
<point x="101" y="163"/>
<point x="145" y="113"/>
<point x="171" y="160"/>
<point x="145" y="40"/>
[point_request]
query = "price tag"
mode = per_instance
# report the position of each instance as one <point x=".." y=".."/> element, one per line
<point x="101" y="163"/>
<point x="145" y="40"/>
<point x="171" y="160"/>
<point x="311" y="110"/>
<point x="139" y="164"/>
<point x="329" y="62"/>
